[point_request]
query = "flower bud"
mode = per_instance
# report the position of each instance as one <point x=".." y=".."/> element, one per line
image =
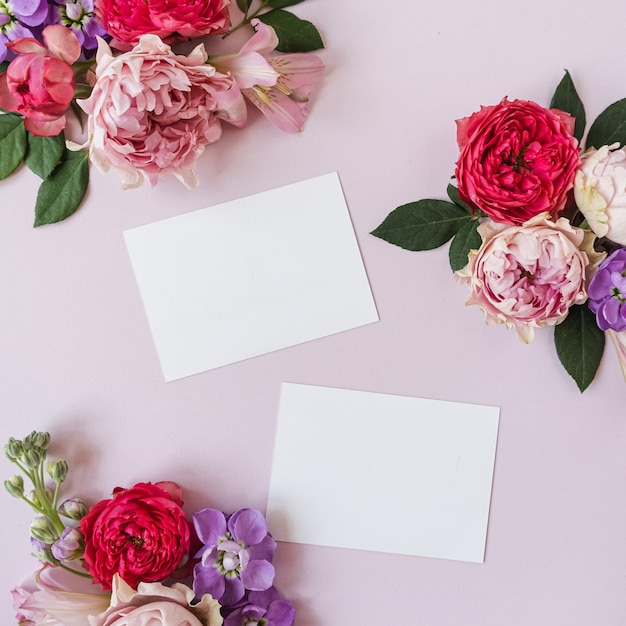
<point x="73" y="508"/>
<point x="13" y="449"/>
<point x="40" y="440"/>
<point x="43" y="529"/>
<point x="15" y="486"/>
<point x="42" y="551"/>
<point x="31" y="458"/>
<point x="57" y="470"/>
<point x="69" y="546"/>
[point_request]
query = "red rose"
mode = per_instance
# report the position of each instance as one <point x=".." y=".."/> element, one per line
<point x="141" y="533"/>
<point x="127" y="20"/>
<point x="517" y="160"/>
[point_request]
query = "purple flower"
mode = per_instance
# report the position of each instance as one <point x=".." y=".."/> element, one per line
<point x="80" y="17"/>
<point x="236" y="556"/>
<point x="17" y="17"/>
<point x="69" y="546"/>
<point x="607" y="292"/>
<point x="263" y="607"/>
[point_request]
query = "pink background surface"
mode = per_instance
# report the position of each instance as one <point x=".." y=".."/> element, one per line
<point x="77" y="357"/>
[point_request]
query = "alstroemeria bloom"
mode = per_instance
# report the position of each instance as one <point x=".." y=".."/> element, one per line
<point x="39" y="83"/>
<point x="279" y="86"/>
<point x="600" y="191"/>
<point x="56" y="597"/>
<point x="529" y="276"/>
<point x="237" y="554"/>
<point x="16" y="16"/>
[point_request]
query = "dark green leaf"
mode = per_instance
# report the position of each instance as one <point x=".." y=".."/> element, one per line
<point x="3" y="66"/>
<point x="566" y="99"/>
<point x="281" y="4"/>
<point x="294" y="34"/>
<point x="244" y="5"/>
<point x="12" y="143"/>
<point x="579" y="345"/>
<point x="63" y="191"/>
<point x="422" y="225"/>
<point x="453" y="194"/>
<point x="466" y="239"/>
<point x="44" y="153"/>
<point x="609" y="127"/>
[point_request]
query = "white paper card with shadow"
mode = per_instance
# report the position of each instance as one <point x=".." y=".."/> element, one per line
<point x="380" y="472"/>
<point x="251" y="276"/>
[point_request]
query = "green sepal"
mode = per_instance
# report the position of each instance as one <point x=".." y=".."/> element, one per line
<point x="579" y="345"/>
<point x="44" y="153"/>
<point x="453" y="194"/>
<point x="244" y="5"/>
<point x="12" y="143"/>
<point x="281" y="4"/>
<point x="63" y="191"/>
<point x="566" y="99"/>
<point x="609" y="127"/>
<point x="294" y="34"/>
<point x="466" y="239"/>
<point x="422" y="225"/>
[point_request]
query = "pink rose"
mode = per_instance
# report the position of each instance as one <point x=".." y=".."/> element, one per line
<point x="156" y="605"/>
<point x="528" y="276"/>
<point x="141" y="533"/>
<point x="39" y="82"/>
<point x="517" y="160"/>
<point x="128" y="20"/>
<point x="600" y="191"/>
<point x="153" y="112"/>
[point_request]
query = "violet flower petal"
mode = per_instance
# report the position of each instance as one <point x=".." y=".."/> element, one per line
<point x="210" y="525"/>
<point x="258" y="575"/>
<point x="264" y="550"/>
<point x="208" y="580"/>
<point x="233" y="592"/>
<point x="280" y="613"/>
<point x="248" y="525"/>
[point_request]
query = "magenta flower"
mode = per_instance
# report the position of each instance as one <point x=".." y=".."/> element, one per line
<point x="607" y="292"/>
<point x="262" y="607"/>
<point x="237" y="554"/>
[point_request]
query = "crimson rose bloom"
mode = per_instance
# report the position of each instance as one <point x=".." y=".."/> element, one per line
<point x="517" y="160"/>
<point x="141" y="533"/>
<point x="127" y="20"/>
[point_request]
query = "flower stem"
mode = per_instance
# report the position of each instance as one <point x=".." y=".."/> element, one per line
<point x="247" y="19"/>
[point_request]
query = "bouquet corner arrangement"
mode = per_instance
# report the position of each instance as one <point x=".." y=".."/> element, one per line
<point x="147" y="108"/>
<point x="135" y="558"/>
<point x="536" y="223"/>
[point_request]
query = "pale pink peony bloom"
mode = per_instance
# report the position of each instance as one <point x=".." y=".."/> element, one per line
<point x="279" y="85"/>
<point x="528" y="276"/>
<point x="600" y="191"/>
<point x="153" y="112"/>
<point x="55" y="597"/>
<point x="39" y="83"/>
<point x="154" y="604"/>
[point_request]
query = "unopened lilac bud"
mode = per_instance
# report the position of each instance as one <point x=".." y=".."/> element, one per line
<point x="73" y="508"/>
<point x="31" y="458"/>
<point x="42" y="551"/>
<point x="57" y="470"/>
<point x="13" y="449"/>
<point x="40" y="440"/>
<point x="69" y="546"/>
<point x="43" y="529"/>
<point x="15" y="486"/>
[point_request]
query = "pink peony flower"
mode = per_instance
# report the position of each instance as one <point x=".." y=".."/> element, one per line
<point x="152" y="112"/>
<point x="128" y="20"/>
<point x="56" y="597"/>
<point x="528" y="276"/>
<point x="141" y="534"/>
<point x="517" y="160"/>
<point x="39" y="83"/>
<point x="600" y="191"/>
<point x="279" y="86"/>
<point x="156" y="605"/>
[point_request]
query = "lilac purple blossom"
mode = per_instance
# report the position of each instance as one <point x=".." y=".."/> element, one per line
<point x="607" y="292"/>
<point x="79" y="16"/>
<point x="262" y="607"/>
<point x="20" y="18"/>
<point x="237" y="555"/>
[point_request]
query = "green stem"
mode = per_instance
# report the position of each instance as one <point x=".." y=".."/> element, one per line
<point x="247" y="19"/>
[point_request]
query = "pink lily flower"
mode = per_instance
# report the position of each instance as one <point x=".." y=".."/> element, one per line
<point x="279" y="86"/>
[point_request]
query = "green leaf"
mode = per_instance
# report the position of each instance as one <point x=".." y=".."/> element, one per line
<point x="244" y="5"/>
<point x="3" y="66"/>
<point x="294" y="34"/>
<point x="63" y="191"/>
<point x="466" y="239"/>
<point x="453" y="194"/>
<point x="281" y="4"/>
<point x="609" y="127"/>
<point x="566" y="99"/>
<point x="579" y="345"/>
<point x="44" y="153"/>
<point x="12" y="143"/>
<point x="422" y="225"/>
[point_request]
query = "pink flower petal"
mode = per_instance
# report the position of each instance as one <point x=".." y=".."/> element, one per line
<point x="62" y="42"/>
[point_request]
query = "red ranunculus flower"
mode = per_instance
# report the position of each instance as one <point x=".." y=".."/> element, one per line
<point x="127" y="20"/>
<point x="517" y="160"/>
<point x="141" y="533"/>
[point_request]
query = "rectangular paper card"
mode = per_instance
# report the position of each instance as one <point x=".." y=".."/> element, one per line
<point x="380" y="472"/>
<point x="250" y="276"/>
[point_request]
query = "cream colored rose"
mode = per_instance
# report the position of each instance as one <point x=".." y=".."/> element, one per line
<point x="600" y="191"/>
